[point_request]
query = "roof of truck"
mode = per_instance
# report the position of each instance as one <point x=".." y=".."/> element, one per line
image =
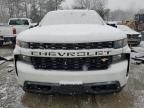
<point x="74" y="11"/>
<point x="71" y="17"/>
<point x="18" y="18"/>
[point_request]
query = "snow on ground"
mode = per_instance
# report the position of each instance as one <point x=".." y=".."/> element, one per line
<point x="137" y="54"/>
<point x="139" y="99"/>
<point x="2" y="61"/>
<point x="10" y="92"/>
<point x="7" y="58"/>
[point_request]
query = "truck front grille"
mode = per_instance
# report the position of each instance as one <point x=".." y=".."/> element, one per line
<point x="71" y="64"/>
<point x="133" y="36"/>
<point x="71" y="46"/>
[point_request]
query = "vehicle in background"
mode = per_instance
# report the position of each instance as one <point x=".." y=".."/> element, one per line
<point x="134" y="38"/>
<point x="137" y="24"/>
<point x="14" y="27"/>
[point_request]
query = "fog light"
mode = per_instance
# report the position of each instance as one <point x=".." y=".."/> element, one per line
<point x="24" y="58"/>
<point x="117" y="58"/>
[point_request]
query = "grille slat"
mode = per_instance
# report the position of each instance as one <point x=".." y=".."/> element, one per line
<point x="132" y="36"/>
<point x="71" y="64"/>
<point x="71" y="46"/>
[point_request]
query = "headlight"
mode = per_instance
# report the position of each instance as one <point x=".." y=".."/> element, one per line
<point x="22" y="44"/>
<point x="120" y="43"/>
<point x="140" y="36"/>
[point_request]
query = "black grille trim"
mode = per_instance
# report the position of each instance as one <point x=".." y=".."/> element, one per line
<point x="87" y="88"/>
<point x="134" y="36"/>
<point x="71" y="46"/>
<point x="72" y="64"/>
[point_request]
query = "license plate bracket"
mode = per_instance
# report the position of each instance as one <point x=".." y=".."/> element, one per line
<point x="68" y="83"/>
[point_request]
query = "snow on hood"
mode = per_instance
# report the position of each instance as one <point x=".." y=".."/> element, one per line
<point x="71" y="33"/>
<point x="127" y="30"/>
<point x="131" y="32"/>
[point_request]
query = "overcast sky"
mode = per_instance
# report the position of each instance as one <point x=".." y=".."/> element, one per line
<point x="126" y="4"/>
<point x="118" y="4"/>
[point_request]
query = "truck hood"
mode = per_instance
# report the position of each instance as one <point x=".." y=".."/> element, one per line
<point x="131" y="32"/>
<point x="71" y="34"/>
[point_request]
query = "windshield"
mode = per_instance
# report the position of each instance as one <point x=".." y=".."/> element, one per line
<point x="71" y="18"/>
<point x="18" y="22"/>
<point x="124" y="28"/>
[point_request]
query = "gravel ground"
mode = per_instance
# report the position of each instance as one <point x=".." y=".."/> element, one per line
<point x="12" y="96"/>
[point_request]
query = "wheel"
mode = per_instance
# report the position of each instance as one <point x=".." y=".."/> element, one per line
<point x="13" y="43"/>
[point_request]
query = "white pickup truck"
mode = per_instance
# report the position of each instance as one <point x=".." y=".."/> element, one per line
<point x="14" y="27"/>
<point x="70" y="52"/>
<point x="134" y="38"/>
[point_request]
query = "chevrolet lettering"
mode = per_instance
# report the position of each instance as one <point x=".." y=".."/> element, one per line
<point x="70" y="54"/>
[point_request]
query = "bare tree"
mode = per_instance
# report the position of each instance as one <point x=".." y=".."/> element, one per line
<point x="26" y="7"/>
<point x="97" y="5"/>
<point x="34" y="9"/>
<point x="119" y="15"/>
<point x="83" y="3"/>
<point x="57" y="4"/>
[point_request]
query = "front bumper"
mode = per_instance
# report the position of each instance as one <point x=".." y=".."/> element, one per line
<point x="89" y="88"/>
<point x="116" y="73"/>
<point x="11" y="38"/>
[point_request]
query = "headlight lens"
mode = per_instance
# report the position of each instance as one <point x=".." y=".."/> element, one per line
<point x="22" y="44"/>
<point x="140" y="36"/>
<point x="120" y="43"/>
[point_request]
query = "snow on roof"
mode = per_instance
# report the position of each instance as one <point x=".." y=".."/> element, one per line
<point x="18" y="18"/>
<point x="73" y="11"/>
<point x="72" y="17"/>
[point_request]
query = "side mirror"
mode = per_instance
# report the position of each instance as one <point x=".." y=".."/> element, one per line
<point x="112" y="25"/>
<point x="33" y="25"/>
